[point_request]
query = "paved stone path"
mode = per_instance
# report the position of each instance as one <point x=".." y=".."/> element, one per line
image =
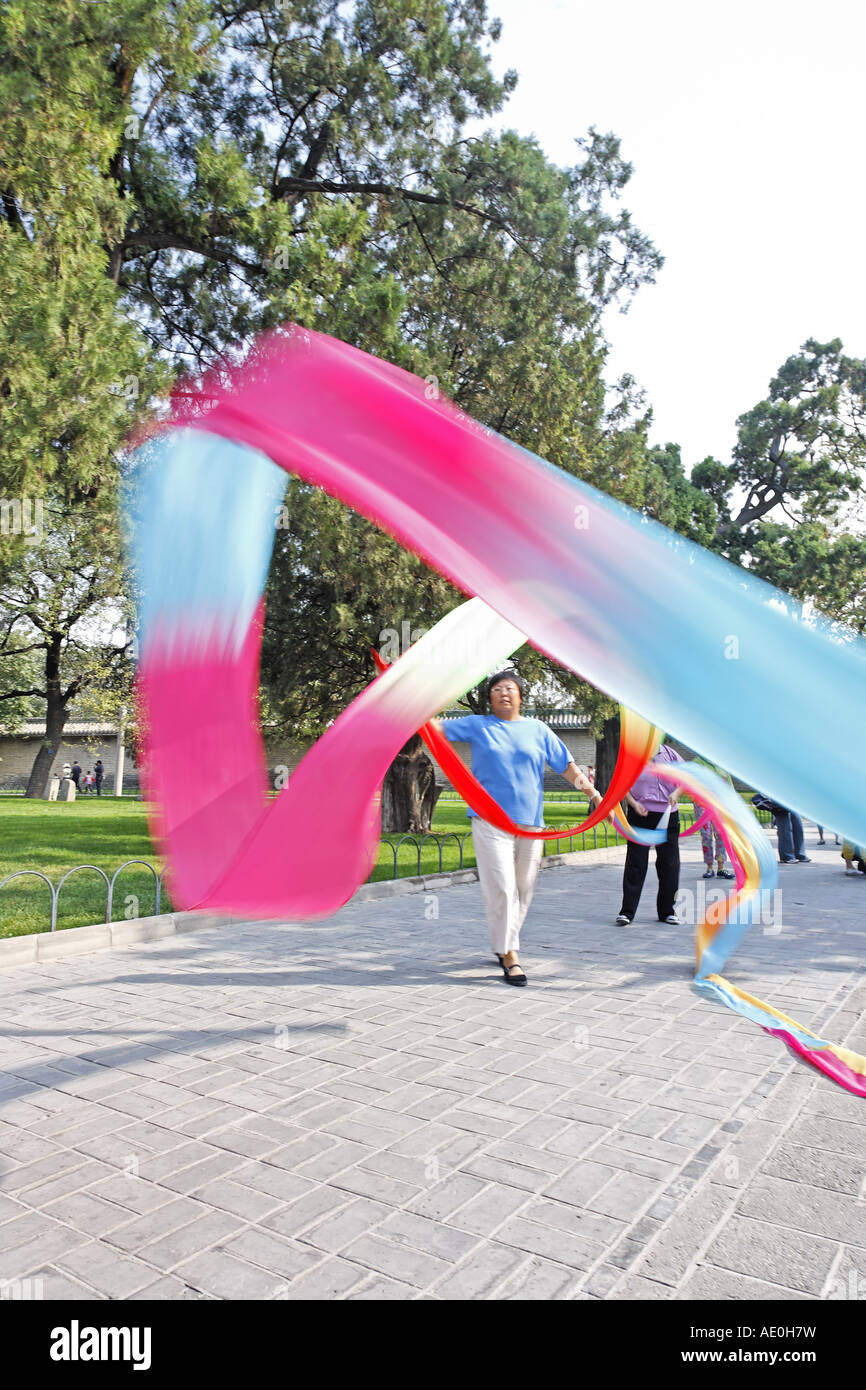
<point x="364" y="1109"/>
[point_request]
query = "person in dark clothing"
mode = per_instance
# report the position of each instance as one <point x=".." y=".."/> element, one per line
<point x="76" y="773"/>
<point x="99" y="773"/>
<point x="792" y="845"/>
<point x="646" y="803"/>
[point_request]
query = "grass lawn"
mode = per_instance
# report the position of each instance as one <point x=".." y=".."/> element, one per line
<point x="54" y="836"/>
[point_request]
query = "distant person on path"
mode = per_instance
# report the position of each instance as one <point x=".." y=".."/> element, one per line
<point x="789" y="826"/>
<point x="792" y="839"/>
<point x="509" y="754"/>
<point x="714" y="853"/>
<point x="88" y="783"/>
<point x="822" y="841"/>
<point x="99" y="774"/>
<point x="646" y="803"/>
<point x="76" y="773"/>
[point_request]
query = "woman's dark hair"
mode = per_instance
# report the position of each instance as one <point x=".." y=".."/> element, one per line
<point x="509" y="675"/>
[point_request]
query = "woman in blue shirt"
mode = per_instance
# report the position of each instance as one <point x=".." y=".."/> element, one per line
<point x="509" y="753"/>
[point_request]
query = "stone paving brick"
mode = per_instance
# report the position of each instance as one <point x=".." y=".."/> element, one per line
<point x="381" y="1289"/>
<point x="690" y="1130"/>
<point x="507" y="1174"/>
<point x="88" y="1213"/>
<point x="339" y="1230"/>
<point x="279" y="1183"/>
<point x="539" y="1281"/>
<point x="190" y="1239"/>
<point x="218" y="1274"/>
<point x="167" y="1287"/>
<point x="669" y="1257"/>
<point x="633" y="1286"/>
<point x="581" y="1183"/>
<point x="805" y="1207"/>
<point x="57" y="1286"/>
<point x="710" y="1283"/>
<point x="460" y="1149"/>
<point x="484" y="1213"/>
<point x="135" y="1234"/>
<point x="431" y="1237"/>
<point x="29" y="1225"/>
<point x="278" y="1254"/>
<point x="71" y="1181"/>
<point x="188" y="1179"/>
<point x="333" y="1161"/>
<point x="602" y="1282"/>
<point x="447" y="1196"/>
<point x="401" y="1262"/>
<point x="835" y="1103"/>
<point x="624" y="1158"/>
<point x="822" y="1132"/>
<point x="625" y="1196"/>
<point x="589" y="1225"/>
<point x="838" y="1172"/>
<point x="362" y="1182"/>
<point x="561" y="1246"/>
<point x="480" y="1276"/>
<point x="773" y="1253"/>
<point x="30" y="1175"/>
<point x="44" y="1248"/>
<point x="111" y="1273"/>
<point x="332" y="1279"/>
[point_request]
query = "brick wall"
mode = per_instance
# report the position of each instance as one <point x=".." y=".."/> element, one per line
<point x="17" y="756"/>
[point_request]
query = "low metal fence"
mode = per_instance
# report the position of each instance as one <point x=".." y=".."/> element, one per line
<point x="54" y="888"/>
<point x="603" y="836"/>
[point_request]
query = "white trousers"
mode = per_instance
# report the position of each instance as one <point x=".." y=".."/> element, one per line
<point x="507" y="870"/>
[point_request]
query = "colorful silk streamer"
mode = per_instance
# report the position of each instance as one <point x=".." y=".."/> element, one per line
<point x="696" y="644"/>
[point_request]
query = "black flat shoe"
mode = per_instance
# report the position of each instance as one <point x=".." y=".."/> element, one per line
<point x="513" y="979"/>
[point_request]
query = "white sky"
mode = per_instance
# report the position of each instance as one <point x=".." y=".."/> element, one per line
<point x="746" y="127"/>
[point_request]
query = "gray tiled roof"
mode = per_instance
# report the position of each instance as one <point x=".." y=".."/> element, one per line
<point x="78" y="728"/>
<point x="556" y="718"/>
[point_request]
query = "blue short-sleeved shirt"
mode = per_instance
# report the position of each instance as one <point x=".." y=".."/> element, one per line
<point x="508" y="758"/>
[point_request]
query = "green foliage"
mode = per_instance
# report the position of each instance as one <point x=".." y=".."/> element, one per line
<point x="186" y="173"/>
<point x="788" y="503"/>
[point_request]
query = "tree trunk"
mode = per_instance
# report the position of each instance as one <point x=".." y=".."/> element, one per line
<point x="606" y="749"/>
<point x="409" y="792"/>
<point x="55" y="719"/>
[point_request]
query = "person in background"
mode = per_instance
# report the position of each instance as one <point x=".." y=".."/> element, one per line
<point x="98" y="775"/>
<point x="75" y="773"/>
<point x="714" y="853"/>
<point x="646" y="803"/>
<point x="850" y="852"/>
<point x="88" y="783"/>
<point x="792" y="839"/>
<point x="509" y="754"/>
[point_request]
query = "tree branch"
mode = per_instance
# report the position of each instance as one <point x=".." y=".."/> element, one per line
<point x="173" y="241"/>
<point x="287" y="185"/>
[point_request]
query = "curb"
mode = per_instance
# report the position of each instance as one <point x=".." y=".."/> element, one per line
<point x="38" y="947"/>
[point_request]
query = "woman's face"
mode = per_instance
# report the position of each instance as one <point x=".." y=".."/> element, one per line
<point x="505" y="699"/>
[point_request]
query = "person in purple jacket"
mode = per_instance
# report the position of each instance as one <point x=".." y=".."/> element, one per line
<point x="646" y="803"/>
